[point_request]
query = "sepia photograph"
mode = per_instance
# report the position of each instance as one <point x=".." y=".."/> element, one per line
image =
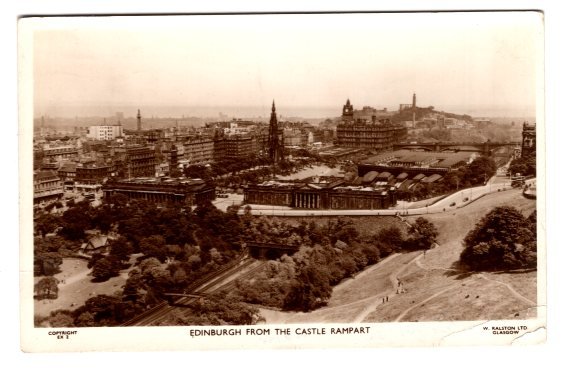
<point x="282" y="180"/>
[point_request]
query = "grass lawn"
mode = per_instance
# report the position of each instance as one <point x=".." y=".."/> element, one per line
<point x="76" y="286"/>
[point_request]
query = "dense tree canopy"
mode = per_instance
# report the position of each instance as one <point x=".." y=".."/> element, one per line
<point x="330" y="253"/>
<point x="525" y="166"/>
<point x="503" y="239"/>
<point x="180" y="246"/>
<point x="76" y="220"/>
<point x="47" y="263"/>
<point x="104" y="269"/>
<point x="46" y="223"/>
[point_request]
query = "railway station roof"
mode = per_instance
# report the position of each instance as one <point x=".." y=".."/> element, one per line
<point x="370" y="176"/>
<point x="419" y="176"/>
<point x="431" y="179"/>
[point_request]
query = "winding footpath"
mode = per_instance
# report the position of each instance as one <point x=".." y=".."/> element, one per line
<point x="393" y="277"/>
<point x="514" y="292"/>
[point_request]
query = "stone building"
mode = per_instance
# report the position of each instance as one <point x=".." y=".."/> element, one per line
<point x="315" y="194"/>
<point x="57" y="153"/>
<point x="91" y="175"/>
<point x="105" y="132"/>
<point x="67" y="173"/>
<point x="234" y="147"/>
<point x="199" y="150"/>
<point x="163" y="190"/>
<point x="136" y="161"/>
<point x="528" y="140"/>
<point x="369" y="134"/>
<point x="47" y="186"/>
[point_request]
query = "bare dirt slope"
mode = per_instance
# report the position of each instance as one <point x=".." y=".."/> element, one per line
<point x="435" y="289"/>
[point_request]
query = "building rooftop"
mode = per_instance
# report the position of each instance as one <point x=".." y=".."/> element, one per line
<point x="68" y="167"/>
<point x="402" y="176"/>
<point x="276" y="183"/>
<point x="162" y="180"/>
<point x="431" y="179"/>
<point x="384" y="175"/>
<point x="44" y="175"/>
<point x="370" y="176"/>
<point x="435" y="159"/>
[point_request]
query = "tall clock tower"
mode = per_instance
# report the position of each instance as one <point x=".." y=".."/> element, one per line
<point x="348" y="111"/>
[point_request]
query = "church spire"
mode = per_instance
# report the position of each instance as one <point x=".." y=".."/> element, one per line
<point x="275" y="142"/>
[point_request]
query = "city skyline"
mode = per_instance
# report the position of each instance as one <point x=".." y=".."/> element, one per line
<point x="458" y="62"/>
<point x="211" y="112"/>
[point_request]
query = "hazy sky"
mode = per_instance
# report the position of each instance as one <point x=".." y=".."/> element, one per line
<point x="451" y="60"/>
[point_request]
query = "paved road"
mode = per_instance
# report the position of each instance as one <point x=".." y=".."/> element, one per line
<point x="456" y="200"/>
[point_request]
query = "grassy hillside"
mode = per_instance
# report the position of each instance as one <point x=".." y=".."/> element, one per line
<point x="436" y="289"/>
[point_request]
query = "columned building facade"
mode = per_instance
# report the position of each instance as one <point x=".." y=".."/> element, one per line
<point x="331" y="196"/>
<point x="162" y="191"/>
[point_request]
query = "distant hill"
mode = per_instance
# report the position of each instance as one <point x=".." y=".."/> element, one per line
<point x="406" y="114"/>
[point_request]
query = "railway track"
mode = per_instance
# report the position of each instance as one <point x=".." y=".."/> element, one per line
<point x="218" y="281"/>
<point x="247" y="275"/>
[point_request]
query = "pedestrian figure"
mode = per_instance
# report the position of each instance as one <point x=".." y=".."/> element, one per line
<point x="386" y="298"/>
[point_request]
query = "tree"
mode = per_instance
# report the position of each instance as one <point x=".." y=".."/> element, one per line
<point x="46" y="288"/>
<point x="503" y="239"/>
<point x="343" y="230"/>
<point x="423" y="233"/>
<point x="523" y="165"/>
<point x="121" y="249"/>
<point x="311" y="289"/>
<point x="61" y="319"/>
<point x="154" y="246"/>
<point x="389" y="240"/>
<point x="134" y="287"/>
<point x="104" y="309"/>
<point x="86" y="319"/>
<point x="480" y="170"/>
<point x="75" y="221"/>
<point x="46" y="223"/>
<point x="46" y="263"/>
<point x="97" y="256"/>
<point x="372" y="253"/>
<point x="104" y="269"/>
<point x="104" y="219"/>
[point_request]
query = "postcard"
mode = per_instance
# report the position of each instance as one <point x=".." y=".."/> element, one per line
<point x="306" y="180"/>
